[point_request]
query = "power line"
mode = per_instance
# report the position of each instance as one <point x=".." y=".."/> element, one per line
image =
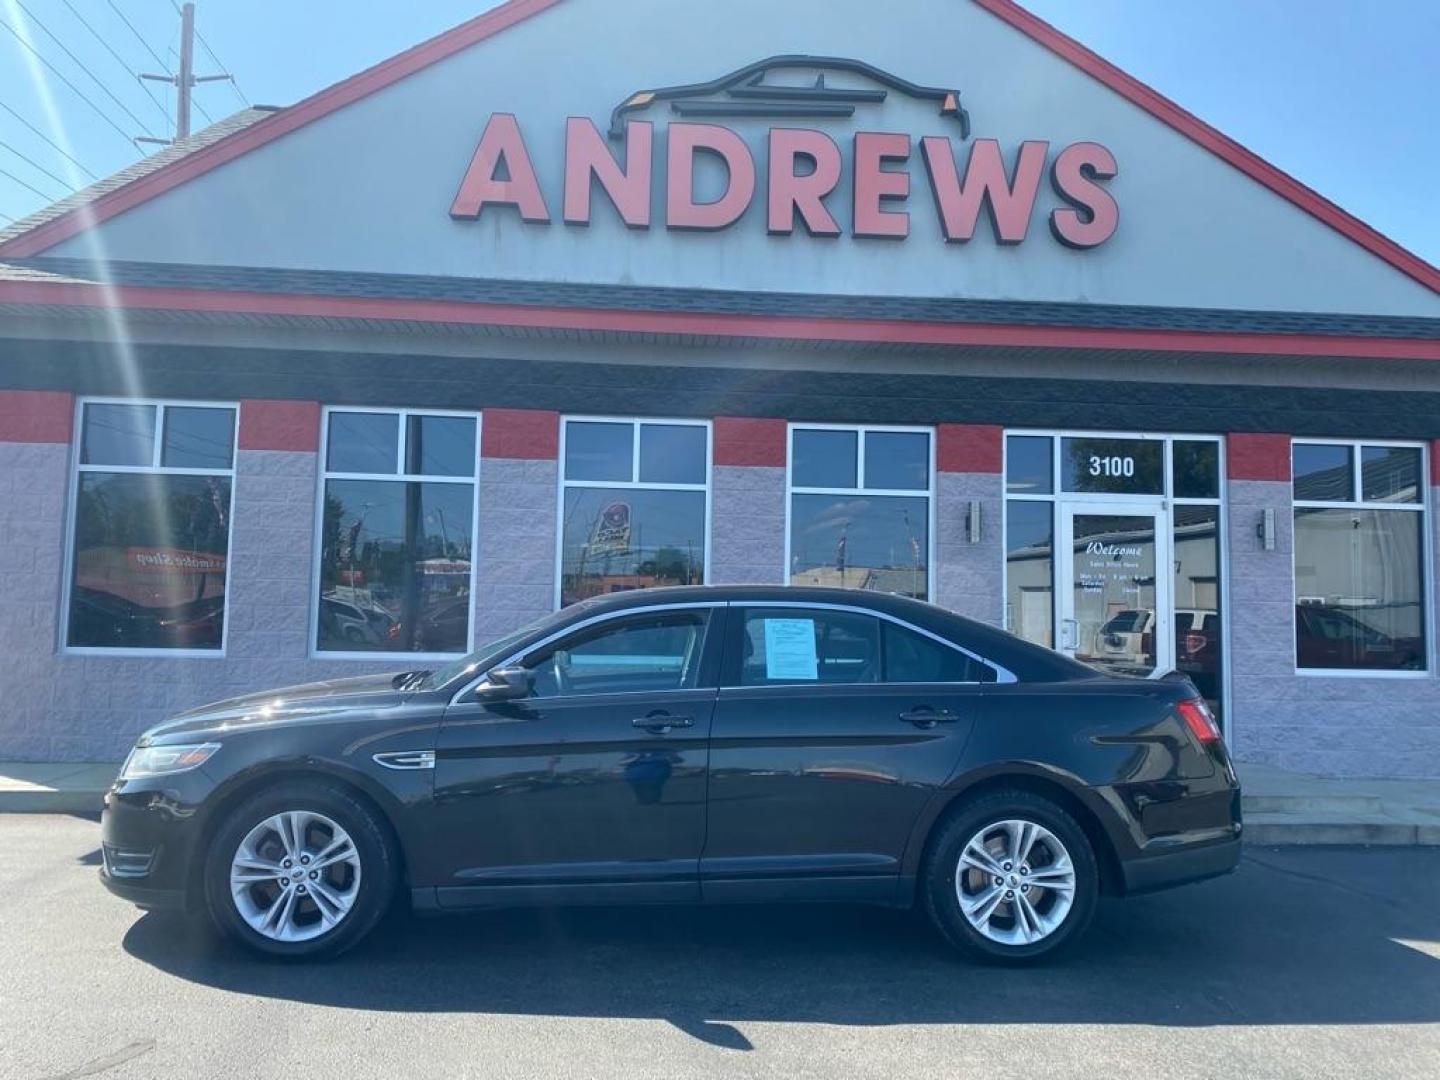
<point x="139" y="37"/>
<point x="82" y="66"/>
<point x="118" y="59"/>
<point x="35" y="165"/>
<point x="7" y="217"/>
<point x="32" y="187"/>
<point x="52" y="144"/>
<point x="75" y="89"/>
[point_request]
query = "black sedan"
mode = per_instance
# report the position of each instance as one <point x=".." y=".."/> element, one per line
<point x="685" y="745"/>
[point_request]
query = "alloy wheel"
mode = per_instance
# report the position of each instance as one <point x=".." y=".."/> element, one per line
<point x="295" y="876"/>
<point x="1015" y="882"/>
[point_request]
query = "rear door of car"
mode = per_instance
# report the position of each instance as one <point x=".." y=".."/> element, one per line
<point x="832" y="730"/>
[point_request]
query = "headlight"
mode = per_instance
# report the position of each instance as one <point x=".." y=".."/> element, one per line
<point x="160" y="760"/>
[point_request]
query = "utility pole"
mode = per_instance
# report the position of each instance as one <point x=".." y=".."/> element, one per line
<point x="185" y="80"/>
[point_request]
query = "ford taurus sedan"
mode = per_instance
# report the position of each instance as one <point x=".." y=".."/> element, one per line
<point x="687" y="745"/>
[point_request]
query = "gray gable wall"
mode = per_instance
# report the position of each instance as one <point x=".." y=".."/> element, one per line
<point x="368" y="188"/>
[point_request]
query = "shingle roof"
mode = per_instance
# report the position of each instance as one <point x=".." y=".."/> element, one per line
<point x="710" y="301"/>
<point x="146" y="165"/>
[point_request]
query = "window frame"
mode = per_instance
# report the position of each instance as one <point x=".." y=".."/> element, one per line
<point x="563" y="484"/>
<point x="324" y="476"/>
<point x="1427" y="551"/>
<point x="77" y="467"/>
<point x="928" y="493"/>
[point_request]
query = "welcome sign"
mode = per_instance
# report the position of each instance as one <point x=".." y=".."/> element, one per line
<point x="806" y="169"/>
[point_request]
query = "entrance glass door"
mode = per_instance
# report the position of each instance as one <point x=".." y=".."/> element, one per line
<point x="1116" y="611"/>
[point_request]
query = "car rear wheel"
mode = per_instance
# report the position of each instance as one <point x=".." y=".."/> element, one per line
<point x="302" y="869"/>
<point x="1011" y="878"/>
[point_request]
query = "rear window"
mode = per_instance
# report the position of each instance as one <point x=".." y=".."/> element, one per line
<point x="787" y="646"/>
<point x="1125" y="622"/>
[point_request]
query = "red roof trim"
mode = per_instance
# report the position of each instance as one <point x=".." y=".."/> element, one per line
<point x="721" y="324"/>
<point x="1248" y="162"/>
<point x="47" y="235"/>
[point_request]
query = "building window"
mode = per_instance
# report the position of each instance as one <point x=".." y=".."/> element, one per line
<point x="634" y="505"/>
<point x="1359" y="557"/>
<point x="152" y="526"/>
<point x="397" y="532"/>
<point x="860" y="505"/>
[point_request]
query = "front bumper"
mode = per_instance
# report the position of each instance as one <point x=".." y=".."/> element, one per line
<point x="148" y="832"/>
<point x="1182" y="866"/>
<point x="143" y="897"/>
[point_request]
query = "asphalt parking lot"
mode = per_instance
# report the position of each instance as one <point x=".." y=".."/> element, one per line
<point x="1305" y="963"/>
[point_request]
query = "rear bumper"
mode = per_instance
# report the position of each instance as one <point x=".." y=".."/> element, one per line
<point x="1181" y="867"/>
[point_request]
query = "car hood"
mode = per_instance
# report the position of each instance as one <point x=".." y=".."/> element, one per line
<point x="285" y="705"/>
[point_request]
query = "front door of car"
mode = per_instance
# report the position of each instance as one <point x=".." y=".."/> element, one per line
<point x="594" y="782"/>
<point x="833" y="729"/>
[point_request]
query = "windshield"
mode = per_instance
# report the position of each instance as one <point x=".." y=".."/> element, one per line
<point x="492" y="651"/>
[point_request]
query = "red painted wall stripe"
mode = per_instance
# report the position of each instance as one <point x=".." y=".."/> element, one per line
<point x="275" y="424"/>
<point x="746" y="440"/>
<point x="532" y="434"/>
<point x="36" y="416"/>
<point x="1219" y="144"/>
<point x="969" y="448"/>
<point x="283" y="122"/>
<point x="1257" y="456"/>
<point x="720" y="324"/>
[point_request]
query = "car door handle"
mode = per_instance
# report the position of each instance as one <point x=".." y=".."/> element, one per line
<point x="926" y="717"/>
<point x="661" y="722"/>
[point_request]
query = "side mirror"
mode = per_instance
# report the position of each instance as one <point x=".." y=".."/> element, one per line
<point x="505" y="684"/>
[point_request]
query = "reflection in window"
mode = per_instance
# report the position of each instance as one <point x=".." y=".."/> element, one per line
<point x="1029" y="464"/>
<point x="151" y="547"/>
<point x="1198" y="640"/>
<point x="628" y="520"/>
<point x="396" y="553"/>
<point x="1197" y="469"/>
<point x="1359" y="589"/>
<point x="848" y="535"/>
<point x="1030" y="571"/>
<point x="1098" y="465"/>
<point x="1324" y="472"/>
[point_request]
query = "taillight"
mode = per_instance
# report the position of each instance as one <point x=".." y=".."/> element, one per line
<point x="1199" y="719"/>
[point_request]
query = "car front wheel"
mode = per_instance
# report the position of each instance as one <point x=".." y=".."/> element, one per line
<point x="300" y="870"/>
<point x="1011" y="878"/>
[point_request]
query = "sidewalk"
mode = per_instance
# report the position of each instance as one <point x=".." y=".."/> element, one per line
<point x="1280" y="807"/>
<point x="54" y="788"/>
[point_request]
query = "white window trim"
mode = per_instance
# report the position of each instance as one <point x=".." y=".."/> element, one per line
<point x="324" y="475"/>
<point x="77" y="468"/>
<point x="1167" y="500"/>
<point x="633" y="484"/>
<point x="927" y="493"/>
<point x="1427" y="553"/>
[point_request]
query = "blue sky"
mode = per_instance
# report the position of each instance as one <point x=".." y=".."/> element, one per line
<point x="1342" y="94"/>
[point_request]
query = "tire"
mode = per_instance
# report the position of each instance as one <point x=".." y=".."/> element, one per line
<point x="358" y="877"/>
<point x="1039" y="921"/>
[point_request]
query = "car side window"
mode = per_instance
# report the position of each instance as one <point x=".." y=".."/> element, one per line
<point x="912" y="657"/>
<point x="646" y="652"/>
<point x="798" y="645"/>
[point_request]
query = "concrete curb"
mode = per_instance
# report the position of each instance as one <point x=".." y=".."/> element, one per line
<point x="53" y="788"/>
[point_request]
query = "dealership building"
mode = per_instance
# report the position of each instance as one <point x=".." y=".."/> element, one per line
<point x="588" y="295"/>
